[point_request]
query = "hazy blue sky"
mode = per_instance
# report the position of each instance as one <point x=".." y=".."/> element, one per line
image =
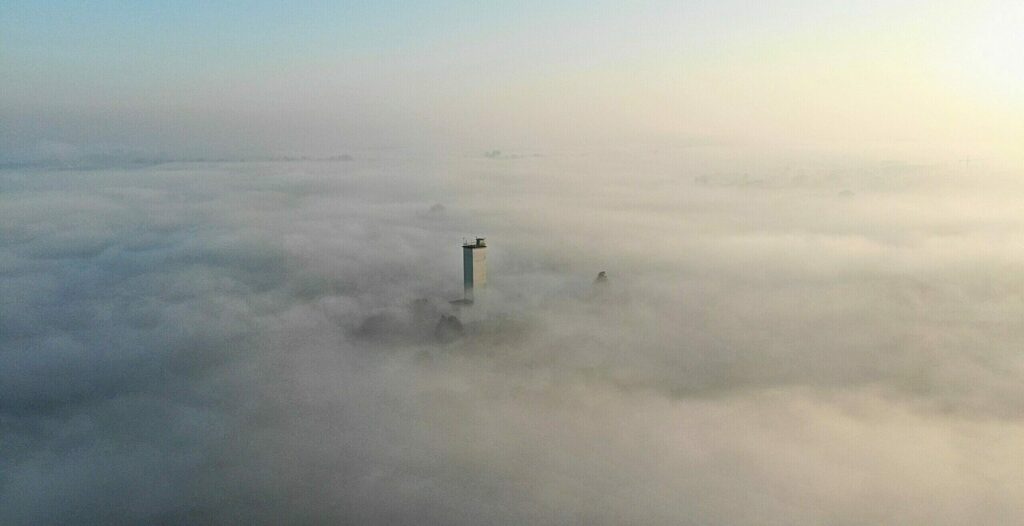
<point x="309" y="77"/>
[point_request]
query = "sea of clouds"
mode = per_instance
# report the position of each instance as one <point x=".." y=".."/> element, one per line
<point x="791" y="343"/>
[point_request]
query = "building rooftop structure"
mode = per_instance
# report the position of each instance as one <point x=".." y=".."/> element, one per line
<point x="480" y="242"/>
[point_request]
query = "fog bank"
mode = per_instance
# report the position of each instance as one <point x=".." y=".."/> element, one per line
<point x="780" y="342"/>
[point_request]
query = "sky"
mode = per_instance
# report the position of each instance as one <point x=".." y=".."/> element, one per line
<point x="230" y="235"/>
<point x="191" y="78"/>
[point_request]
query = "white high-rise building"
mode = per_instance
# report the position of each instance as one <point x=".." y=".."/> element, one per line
<point x="474" y="266"/>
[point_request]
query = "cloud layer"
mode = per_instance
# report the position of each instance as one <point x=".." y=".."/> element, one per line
<point x="779" y="343"/>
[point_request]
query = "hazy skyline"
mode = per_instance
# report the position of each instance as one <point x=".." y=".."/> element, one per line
<point x="889" y="79"/>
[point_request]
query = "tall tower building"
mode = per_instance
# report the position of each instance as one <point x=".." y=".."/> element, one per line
<point x="474" y="266"/>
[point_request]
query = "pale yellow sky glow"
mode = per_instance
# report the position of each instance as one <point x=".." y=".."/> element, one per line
<point x="925" y="82"/>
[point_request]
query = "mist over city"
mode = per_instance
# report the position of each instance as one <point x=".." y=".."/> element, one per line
<point x="456" y="264"/>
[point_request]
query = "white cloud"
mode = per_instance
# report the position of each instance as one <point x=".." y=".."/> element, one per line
<point x="180" y="344"/>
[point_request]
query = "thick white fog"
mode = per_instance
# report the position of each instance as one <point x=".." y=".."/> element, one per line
<point x="820" y="341"/>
